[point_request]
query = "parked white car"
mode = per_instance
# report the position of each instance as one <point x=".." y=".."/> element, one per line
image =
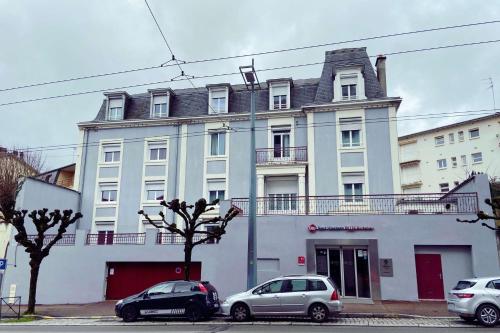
<point x="477" y="299"/>
<point x="315" y="296"/>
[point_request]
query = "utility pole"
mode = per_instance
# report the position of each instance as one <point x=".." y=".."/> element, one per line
<point x="492" y="87"/>
<point x="250" y="78"/>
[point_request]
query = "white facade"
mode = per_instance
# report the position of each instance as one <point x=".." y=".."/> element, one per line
<point x="439" y="159"/>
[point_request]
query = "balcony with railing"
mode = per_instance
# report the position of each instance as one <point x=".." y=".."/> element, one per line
<point x="281" y="155"/>
<point x="167" y="238"/>
<point x="389" y="204"/>
<point x="116" y="239"/>
<point x="67" y="239"/>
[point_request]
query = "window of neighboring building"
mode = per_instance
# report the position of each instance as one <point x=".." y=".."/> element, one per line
<point x="160" y="106"/>
<point x="477" y="157"/>
<point x="108" y="195"/>
<point x="454" y="162"/>
<point x="115" y="109"/>
<point x="441" y="163"/>
<point x="283" y="201"/>
<point x="463" y="158"/>
<point x="212" y="228"/>
<point x="439" y="140"/>
<point x="280" y="96"/>
<point x="460" y="135"/>
<point x="348" y="85"/>
<point x="112" y="156"/>
<point x="350" y="129"/>
<point x="444" y="187"/>
<point x="451" y="137"/>
<point x="353" y="192"/>
<point x="474" y="133"/>
<point x="218" y="101"/>
<point x="216" y="194"/>
<point x="157" y="154"/>
<point x="218" y="144"/>
<point x="155" y="191"/>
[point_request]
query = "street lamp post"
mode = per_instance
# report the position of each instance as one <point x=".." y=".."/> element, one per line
<point x="250" y="78"/>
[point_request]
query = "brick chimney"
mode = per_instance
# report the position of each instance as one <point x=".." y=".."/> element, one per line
<point x="380" y="64"/>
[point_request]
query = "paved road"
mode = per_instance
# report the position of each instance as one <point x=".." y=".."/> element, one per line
<point x="239" y="328"/>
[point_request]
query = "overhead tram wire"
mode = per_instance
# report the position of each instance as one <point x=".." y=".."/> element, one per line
<point x="238" y="73"/>
<point x="254" y="54"/>
<point x="483" y="112"/>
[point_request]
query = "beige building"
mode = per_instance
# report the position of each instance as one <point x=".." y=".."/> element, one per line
<point x="438" y="159"/>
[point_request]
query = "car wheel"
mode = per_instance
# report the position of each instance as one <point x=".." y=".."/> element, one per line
<point x="129" y="314"/>
<point x="487" y="315"/>
<point x="240" y="312"/>
<point x="318" y="313"/>
<point x="468" y="319"/>
<point x="193" y="313"/>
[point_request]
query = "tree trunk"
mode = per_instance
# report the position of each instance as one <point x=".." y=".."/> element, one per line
<point x="188" y="250"/>
<point x="35" y="268"/>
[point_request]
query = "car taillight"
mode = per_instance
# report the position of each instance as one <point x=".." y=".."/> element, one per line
<point x="462" y="295"/>
<point x="335" y="296"/>
<point x="203" y="289"/>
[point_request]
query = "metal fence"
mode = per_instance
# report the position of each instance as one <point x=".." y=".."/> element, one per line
<point x="391" y="204"/>
<point x="167" y="238"/>
<point x="281" y="155"/>
<point x="67" y="239"/>
<point x="12" y="305"/>
<point x="118" y="239"/>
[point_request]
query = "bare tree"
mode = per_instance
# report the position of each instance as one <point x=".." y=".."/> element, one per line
<point x="38" y="247"/>
<point x="191" y="225"/>
<point x="15" y="165"/>
<point x="494" y="203"/>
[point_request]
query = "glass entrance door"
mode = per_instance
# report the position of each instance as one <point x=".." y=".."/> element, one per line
<point x="348" y="267"/>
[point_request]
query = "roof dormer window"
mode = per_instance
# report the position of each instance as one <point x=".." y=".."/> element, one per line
<point x="160" y="102"/>
<point x="115" y="110"/>
<point x="348" y="85"/>
<point x="218" y="97"/>
<point x="279" y="95"/>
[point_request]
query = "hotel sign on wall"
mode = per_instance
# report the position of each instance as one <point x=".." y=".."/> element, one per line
<point x="313" y="228"/>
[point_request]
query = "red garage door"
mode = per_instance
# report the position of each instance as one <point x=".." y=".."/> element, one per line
<point x="128" y="278"/>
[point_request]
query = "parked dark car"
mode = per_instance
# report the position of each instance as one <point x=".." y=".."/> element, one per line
<point x="192" y="299"/>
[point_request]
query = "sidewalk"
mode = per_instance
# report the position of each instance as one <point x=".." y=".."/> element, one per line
<point x="379" y="309"/>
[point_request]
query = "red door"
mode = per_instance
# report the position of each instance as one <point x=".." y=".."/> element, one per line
<point x="429" y="276"/>
<point x="128" y="278"/>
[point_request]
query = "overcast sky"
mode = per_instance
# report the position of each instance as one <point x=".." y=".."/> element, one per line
<point x="51" y="40"/>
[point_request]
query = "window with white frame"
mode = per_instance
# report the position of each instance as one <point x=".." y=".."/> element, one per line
<point x="353" y="186"/>
<point x="477" y="157"/>
<point x="115" y="109"/>
<point x="218" y="101"/>
<point x="216" y="189"/>
<point x="218" y="144"/>
<point x="111" y="153"/>
<point x="155" y="191"/>
<point x="463" y="158"/>
<point x="157" y="151"/>
<point x="444" y="187"/>
<point x="279" y="96"/>
<point x="348" y="85"/>
<point x="159" y="108"/>
<point x="453" y="162"/>
<point x="441" y="163"/>
<point x="460" y="135"/>
<point x="350" y="129"/>
<point x="281" y="142"/>
<point x="439" y="140"/>
<point x="451" y="137"/>
<point x="283" y="201"/>
<point x="474" y="133"/>
<point x="108" y="193"/>
<point x="212" y="228"/>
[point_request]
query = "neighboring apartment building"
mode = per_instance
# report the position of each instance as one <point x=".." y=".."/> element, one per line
<point x="439" y="159"/>
<point x="327" y="167"/>
<point x="63" y="176"/>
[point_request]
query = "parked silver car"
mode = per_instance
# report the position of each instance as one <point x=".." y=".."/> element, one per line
<point x="312" y="295"/>
<point x="477" y="299"/>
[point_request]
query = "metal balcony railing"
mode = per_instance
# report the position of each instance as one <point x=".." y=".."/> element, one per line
<point x="167" y="238"/>
<point x="118" y="239"/>
<point x="281" y="155"/>
<point x="67" y="239"/>
<point x="391" y="204"/>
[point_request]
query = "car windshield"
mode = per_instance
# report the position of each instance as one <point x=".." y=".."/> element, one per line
<point x="464" y="285"/>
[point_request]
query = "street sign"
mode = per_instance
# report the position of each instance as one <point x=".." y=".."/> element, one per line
<point x="3" y="263"/>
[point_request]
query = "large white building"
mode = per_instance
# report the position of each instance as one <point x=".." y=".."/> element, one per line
<point x="438" y="159"/>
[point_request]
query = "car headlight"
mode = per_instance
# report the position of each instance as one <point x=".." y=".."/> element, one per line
<point x="119" y="302"/>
